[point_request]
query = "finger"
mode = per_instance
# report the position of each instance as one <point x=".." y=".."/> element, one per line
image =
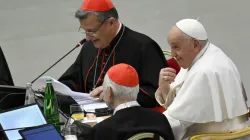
<point x="95" y="93"/>
<point x="168" y="69"/>
<point x="101" y="96"/>
<point x="96" y="96"/>
<point x="100" y="88"/>
<point x="166" y="72"/>
<point x="168" y="79"/>
<point x="171" y="74"/>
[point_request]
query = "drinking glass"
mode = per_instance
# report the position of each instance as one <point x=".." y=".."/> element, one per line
<point x="70" y="132"/>
<point x="76" y="112"/>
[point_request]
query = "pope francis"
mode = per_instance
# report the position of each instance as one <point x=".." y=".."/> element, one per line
<point x="207" y="95"/>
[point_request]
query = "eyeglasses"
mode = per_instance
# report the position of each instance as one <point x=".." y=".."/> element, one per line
<point x="91" y="33"/>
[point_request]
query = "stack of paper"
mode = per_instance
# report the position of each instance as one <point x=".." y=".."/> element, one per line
<point x="89" y="103"/>
<point x="61" y="88"/>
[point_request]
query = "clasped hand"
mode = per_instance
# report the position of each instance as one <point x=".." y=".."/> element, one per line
<point x="166" y="77"/>
<point x="97" y="93"/>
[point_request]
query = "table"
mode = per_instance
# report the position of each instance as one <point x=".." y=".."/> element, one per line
<point x="93" y="122"/>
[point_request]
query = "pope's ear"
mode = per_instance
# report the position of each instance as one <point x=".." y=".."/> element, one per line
<point x="196" y="43"/>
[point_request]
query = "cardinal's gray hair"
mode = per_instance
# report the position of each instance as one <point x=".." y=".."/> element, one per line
<point x="119" y="91"/>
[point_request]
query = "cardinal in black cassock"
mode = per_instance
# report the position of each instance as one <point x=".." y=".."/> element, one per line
<point x="111" y="42"/>
<point x="5" y="75"/>
<point x="121" y="86"/>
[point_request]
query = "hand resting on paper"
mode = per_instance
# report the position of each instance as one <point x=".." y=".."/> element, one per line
<point x="96" y="93"/>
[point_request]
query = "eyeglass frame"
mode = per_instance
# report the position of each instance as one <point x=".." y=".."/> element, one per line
<point x="92" y="33"/>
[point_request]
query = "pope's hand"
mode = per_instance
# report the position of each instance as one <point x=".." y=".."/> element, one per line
<point x="96" y="93"/>
<point x="167" y="76"/>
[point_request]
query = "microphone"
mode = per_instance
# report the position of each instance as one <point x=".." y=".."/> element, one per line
<point x="3" y="130"/>
<point x="97" y="112"/>
<point x="79" y="44"/>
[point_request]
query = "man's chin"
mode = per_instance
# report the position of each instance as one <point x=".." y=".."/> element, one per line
<point x="99" y="46"/>
<point x="184" y="66"/>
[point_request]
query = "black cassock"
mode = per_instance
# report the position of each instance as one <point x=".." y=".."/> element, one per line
<point x="130" y="47"/>
<point x="5" y="75"/>
<point x="130" y="121"/>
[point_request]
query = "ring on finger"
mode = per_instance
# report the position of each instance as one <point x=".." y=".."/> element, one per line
<point x="165" y="78"/>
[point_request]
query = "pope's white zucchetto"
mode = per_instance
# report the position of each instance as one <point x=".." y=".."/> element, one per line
<point x="192" y="28"/>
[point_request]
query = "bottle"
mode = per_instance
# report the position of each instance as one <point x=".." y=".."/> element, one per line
<point x="50" y="108"/>
<point x="29" y="97"/>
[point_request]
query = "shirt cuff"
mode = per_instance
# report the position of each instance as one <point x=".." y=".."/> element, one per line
<point x="169" y="99"/>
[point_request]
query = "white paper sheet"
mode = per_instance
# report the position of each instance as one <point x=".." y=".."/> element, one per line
<point x="93" y="106"/>
<point x="63" y="89"/>
<point x="89" y="103"/>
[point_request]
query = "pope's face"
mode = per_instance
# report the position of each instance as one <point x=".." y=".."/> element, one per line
<point x="183" y="49"/>
<point x="96" y="31"/>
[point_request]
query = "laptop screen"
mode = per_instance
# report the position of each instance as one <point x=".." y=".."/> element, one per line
<point x="26" y="116"/>
<point x="44" y="132"/>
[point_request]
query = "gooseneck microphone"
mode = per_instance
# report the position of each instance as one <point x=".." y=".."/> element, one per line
<point x="79" y="44"/>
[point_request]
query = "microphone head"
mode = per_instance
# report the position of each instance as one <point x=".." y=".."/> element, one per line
<point x="81" y="42"/>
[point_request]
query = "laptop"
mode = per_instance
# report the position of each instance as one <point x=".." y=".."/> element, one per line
<point x="43" y="132"/>
<point x="11" y="97"/>
<point x="5" y="74"/>
<point x="25" y="116"/>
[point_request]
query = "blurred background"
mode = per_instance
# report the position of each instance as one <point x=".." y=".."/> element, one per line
<point x="35" y="33"/>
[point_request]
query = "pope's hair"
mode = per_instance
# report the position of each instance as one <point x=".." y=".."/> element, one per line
<point x="202" y="42"/>
<point x="102" y="16"/>
<point x="120" y="92"/>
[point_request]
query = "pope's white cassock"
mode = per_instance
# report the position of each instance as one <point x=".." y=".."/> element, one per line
<point x="209" y="97"/>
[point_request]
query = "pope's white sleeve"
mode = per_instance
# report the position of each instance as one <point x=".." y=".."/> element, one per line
<point x="169" y="99"/>
<point x="179" y="128"/>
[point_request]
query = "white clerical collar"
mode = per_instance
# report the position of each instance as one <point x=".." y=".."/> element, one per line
<point x="126" y="105"/>
<point x="120" y="26"/>
<point x="203" y="50"/>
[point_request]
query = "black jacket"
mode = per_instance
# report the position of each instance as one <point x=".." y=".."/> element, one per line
<point x="130" y="121"/>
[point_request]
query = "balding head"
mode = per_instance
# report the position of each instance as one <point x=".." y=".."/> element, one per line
<point x="175" y="34"/>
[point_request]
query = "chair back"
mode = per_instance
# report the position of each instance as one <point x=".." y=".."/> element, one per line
<point x="146" y="135"/>
<point x="238" y="134"/>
